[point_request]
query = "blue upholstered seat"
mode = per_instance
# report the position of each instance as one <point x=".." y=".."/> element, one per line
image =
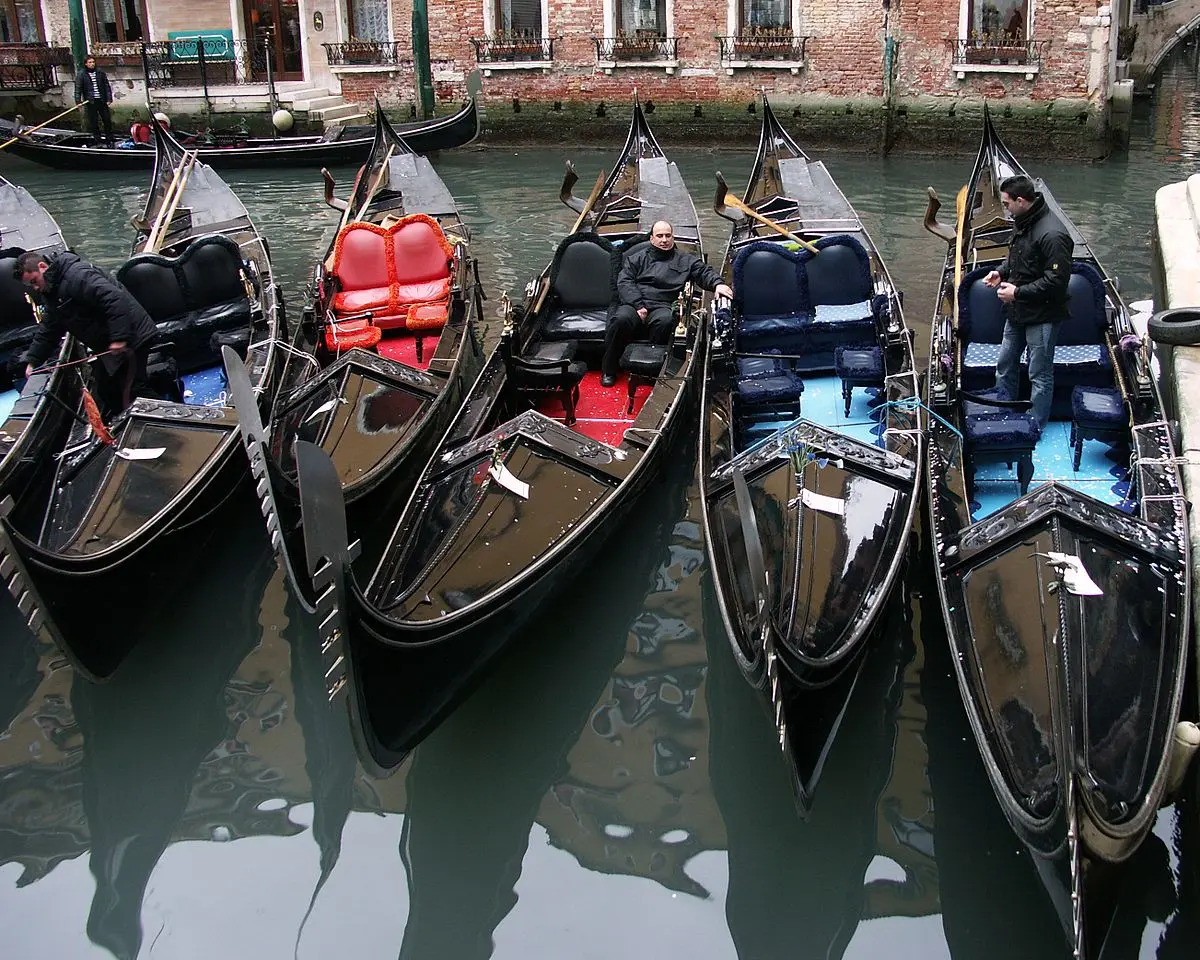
<point x="1097" y="406"/>
<point x="1002" y="430"/>
<point x="859" y="363"/>
<point x="1097" y="413"/>
<point x="774" y="389"/>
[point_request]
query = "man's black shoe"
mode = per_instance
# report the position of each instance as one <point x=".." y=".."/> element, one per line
<point x="608" y="380"/>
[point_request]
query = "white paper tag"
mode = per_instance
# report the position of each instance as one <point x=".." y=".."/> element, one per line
<point x="818" y="501"/>
<point x="509" y="480"/>
<point x="323" y="408"/>
<point x="1074" y="574"/>
<point x="146" y="453"/>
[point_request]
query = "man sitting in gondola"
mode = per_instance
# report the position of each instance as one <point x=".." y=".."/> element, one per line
<point x="83" y="300"/>
<point x="647" y="286"/>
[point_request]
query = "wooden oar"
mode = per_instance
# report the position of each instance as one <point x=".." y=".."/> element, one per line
<point x="170" y="203"/>
<point x="960" y="221"/>
<point x="933" y="205"/>
<point x="724" y="197"/>
<point x="25" y="133"/>
<point x="591" y="200"/>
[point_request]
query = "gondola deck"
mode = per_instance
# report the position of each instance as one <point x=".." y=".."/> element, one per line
<point x="602" y="413"/>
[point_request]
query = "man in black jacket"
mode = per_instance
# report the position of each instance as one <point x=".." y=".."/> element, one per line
<point x="92" y="87"/>
<point x="1033" y="281"/>
<point x="84" y="301"/>
<point x="647" y="286"/>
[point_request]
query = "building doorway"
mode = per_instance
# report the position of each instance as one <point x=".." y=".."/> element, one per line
<point x="280" y="21"/>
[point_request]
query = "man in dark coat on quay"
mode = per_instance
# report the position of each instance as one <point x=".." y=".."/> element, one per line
<point x="84" y="301"/>
<point x="1033" y="282"/>
<point x="92" y="87"/>
<point x="647" y="286"/>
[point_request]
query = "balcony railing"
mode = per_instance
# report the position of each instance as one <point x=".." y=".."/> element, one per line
<point x="500" y="49"/>
<point x="755" y="47"/>
<point x="31" y="66"/>
<point x="215" y="60"/>
<point x="381" y="53"/>
<point x="635" y="47"/>
<point x="1000" y="50"/>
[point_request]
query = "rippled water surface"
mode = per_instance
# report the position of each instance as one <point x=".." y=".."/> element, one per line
<point x="613" y="788"/>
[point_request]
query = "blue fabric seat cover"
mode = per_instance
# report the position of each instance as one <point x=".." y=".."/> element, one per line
<point x="857" y="363"/>
<point x="777" y="388"/>
<point x="1097" y="406"/>
<point x="1017" y="430"/>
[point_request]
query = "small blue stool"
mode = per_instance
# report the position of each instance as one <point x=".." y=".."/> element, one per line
<point x="1097" y="413"/>
<point x="858" y="367"/>
<point x="1001" y="437"/>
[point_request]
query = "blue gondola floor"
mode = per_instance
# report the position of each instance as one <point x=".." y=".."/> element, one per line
<point x="822" y="403"/>
<point x="1103" y="472"/>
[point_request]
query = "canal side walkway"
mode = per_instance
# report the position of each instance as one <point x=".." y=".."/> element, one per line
<point x="1177" y="284"/>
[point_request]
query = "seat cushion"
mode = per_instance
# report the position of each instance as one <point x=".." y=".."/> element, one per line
<point x="761" y="367"/>
<point x="421" y="291"/>
<point x="855" y="363"/>
<point x="1008" y="430"/>
<point x="582" y="274"/>
<point x="360" y="257"/>
<point x="981" y="355"/>
<point x="428" y="316"/>
<point x="842" y="312"/>
<point x="348" y="334"/>
<point x="356" y="301"/>
<point x="776" y="388"/>
<point x="586" y="325"/>
<point x="421" y="252"/>
<point x="562" y="350"/>
<point x="980" y="311"/>
<point x="192" y="334"/>
<point x="644" y="358"/>
<point x="840" y="273"/>
<point x="1098" y="407"/>
<point x="1087" y="319"/>
<point x="1080" y="354"/>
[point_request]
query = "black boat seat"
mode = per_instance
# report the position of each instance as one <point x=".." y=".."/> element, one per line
<point x="802" y="303"/>
<point x="643" y="362"/>
<point x="17" y="324"/>
<point x="767" y="389"/>
<point x="858" y="367"/>
<point x="582" y="288"/>
<point x="1080" y="355"/>
<point x="190" y="297"/>
<point x="550" y="369"/>
<point x="1097" y="413"/>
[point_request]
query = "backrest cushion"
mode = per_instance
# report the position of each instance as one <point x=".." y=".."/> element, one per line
<point x="154" y="282"/>
<point x="212" y="272"/>
<point x="980" y="312"/>
<point x="420" y="249"/>
<point x="840" y="273"/>
<point x="1088" y="317"/>
<point x="14" y="308"/>
<point x="582" y="274"/>
<point x="360" y="256"/>
<point x="768" y="281"/>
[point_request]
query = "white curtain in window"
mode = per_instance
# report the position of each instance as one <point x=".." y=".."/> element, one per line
<point x="762" y="14"/>
<point x="371" y="20"/>
<point x="520" y="17"/>
<point x="647" y="15"/>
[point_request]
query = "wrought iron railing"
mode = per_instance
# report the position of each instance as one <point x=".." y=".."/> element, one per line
<point x="202" y="61"/>
<point x="31" y="66"/>
<point x="366" y="52"/>
<point x="509" y="49"/>
<point x="635" y="47"/>
<point x="998" y="50"/>
<point x="753" y="47"/>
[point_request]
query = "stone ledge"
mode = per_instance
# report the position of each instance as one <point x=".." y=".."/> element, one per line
<point x="608" y="66"/>
<point x="1030" y="70"/>
<point x="365" y="68"/>
<point x="503" y="65"/>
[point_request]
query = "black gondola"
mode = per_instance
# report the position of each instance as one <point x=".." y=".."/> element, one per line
<point x="35" y="417"/>
<point x="1066" y="605"/>
<point x="514" y="500"/>
<point x="125" y="519"/>
<point x="807" y="509"/>
<point x="72" y="150"/>
<point x="393" y="314"/>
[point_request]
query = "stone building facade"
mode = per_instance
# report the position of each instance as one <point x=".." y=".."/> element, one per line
<point x="893" y="58"/>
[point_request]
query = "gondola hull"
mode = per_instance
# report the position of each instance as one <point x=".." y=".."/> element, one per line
<point x="130" y="506"/>
<point x="1067" y="606"/>
<point x="444" y="133"/>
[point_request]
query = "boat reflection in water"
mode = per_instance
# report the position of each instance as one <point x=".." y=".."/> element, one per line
<point x="463" y="849"/>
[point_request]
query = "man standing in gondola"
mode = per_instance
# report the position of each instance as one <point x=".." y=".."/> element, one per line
<point x="647" y="286"/>
<point x="84" y="301"/>
<point x="92" y="87"/>
<point x="1033" y="282"/>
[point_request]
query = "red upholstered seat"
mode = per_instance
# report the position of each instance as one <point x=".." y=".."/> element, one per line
<point x="348" y="334"/>
<point x="389" y="270"/>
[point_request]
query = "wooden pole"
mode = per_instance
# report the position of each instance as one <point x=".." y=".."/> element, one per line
<point x="753" y="214"/>
<point x="24" y="133"/>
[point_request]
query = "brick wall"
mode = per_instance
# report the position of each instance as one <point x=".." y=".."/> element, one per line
<point x="844" y="55"/>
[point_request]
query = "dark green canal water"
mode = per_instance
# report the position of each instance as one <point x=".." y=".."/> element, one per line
<point x="613" y="789"/>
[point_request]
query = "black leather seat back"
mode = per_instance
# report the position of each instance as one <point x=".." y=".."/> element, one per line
<point x="839" y="274"/>
<point x="582" y="273"/>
